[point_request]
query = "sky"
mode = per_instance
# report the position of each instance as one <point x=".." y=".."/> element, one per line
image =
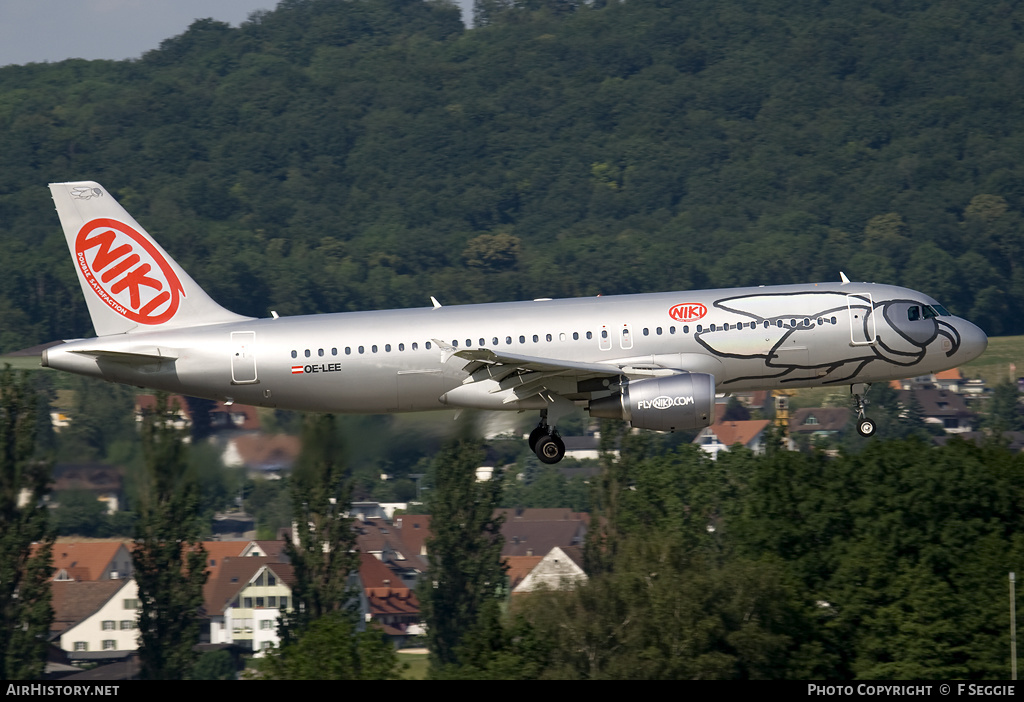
<point x="54" y="30"/>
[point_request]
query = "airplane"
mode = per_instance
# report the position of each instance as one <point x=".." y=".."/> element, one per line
<point x="656" y="361"/>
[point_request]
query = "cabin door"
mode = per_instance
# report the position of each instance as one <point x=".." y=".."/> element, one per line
<point x="243" y="358"/>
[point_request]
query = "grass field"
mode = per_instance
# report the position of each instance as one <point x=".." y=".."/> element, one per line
<point x="417" y="663"/>
<point x="993" y="367"/>
<point x="994" y="364"/>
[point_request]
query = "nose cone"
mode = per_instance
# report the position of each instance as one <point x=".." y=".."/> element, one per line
<point x="973" y="341"/>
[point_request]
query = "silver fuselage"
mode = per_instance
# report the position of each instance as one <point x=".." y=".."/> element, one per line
<point x="404" y="360"/>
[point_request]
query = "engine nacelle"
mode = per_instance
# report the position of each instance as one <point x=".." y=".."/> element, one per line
<point x="675" y="402"/>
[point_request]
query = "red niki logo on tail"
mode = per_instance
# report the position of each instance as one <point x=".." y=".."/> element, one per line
<point x="127" y="272"/>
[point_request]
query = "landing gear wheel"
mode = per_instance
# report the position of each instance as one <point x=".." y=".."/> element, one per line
<point x="535" y="436"/>
<point x="865" y="427"/>
<point x="550" y="449"/>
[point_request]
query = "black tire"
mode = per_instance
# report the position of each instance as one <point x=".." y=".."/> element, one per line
<point x="866" y="427"/>
<point x="550" y="449"/>
<point x="535" y="436"/>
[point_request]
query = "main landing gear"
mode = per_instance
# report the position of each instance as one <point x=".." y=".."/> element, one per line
<point x="865" y="426"/>
<point x="545" y="441"/>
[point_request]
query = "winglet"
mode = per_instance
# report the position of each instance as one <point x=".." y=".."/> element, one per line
<point x="434" y="302"/>
<point x="842" y="276"/>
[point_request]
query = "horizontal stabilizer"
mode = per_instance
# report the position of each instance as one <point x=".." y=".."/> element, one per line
<point x="133" y="358"/>
<point x="27" y="359"/>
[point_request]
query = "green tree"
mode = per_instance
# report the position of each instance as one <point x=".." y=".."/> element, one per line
<point x="325" y="555"/>
<point x="25" y="541"/>
<point x="170" y="564"/>
<point x="466" y="577"/>
<point x="1002" y="411"/>
<point x="331" y="648"/>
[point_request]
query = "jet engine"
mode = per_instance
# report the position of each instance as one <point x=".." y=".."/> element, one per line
<point x="684" y="401"/>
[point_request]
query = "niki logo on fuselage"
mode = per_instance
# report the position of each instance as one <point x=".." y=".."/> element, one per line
<point x="127" y="272"/>
<point x="687" y="311"/>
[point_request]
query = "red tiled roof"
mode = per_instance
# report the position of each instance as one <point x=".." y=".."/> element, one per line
<point x="742" y="432"/>
<point x="84" y="560"/>
<point x="385" y="592"/>
<point x="519" y="567"/>
<point x="415" y="529"/>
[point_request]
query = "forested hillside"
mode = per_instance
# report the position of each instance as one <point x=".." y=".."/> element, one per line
<point x="335" y="155"/>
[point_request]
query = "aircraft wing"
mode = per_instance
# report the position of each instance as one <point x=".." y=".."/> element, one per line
<point x="512" y="362"/>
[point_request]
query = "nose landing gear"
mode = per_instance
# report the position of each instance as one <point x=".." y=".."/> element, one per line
<point x="865" y="426"/>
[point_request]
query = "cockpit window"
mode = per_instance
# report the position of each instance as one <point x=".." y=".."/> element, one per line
<point x="915" y="312"/>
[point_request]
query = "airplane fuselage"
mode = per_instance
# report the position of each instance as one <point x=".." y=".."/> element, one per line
<point x="402" y="360"/>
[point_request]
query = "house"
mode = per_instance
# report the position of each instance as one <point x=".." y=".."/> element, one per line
<point x="941" y="407"/>
<point x="389" y="604"/>
<point x="98" y="479"/>
<point x="384" y="542"/>
<point x="95" y="620"/>
<point x="91" y="561"/>
<point x="818" y="422"/>
<point x="721" y="435"/>
<point x="526" y="537"/>
<point x="559" y="569"/>
<point x="262" y="454"/>
<point x="245" y="599"/>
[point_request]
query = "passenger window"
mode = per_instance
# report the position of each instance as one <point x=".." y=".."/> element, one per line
<point x="334" y="352"/>
<point x="387" y="348"/>
<point x="493" y="341"/>
<point x="658" y="331"/>
<point x="575" y="336"/>
<point x="508" y="340"/>
<point x="416" y="346"/>
<point x="348" y="350"/>
<point x="590" y="335"/>
<point x="686" y="329"/>
<point x="374" y="348"/>
<point x="426" y="346"/>
<point x="401" y="347"/>
<point x="647" y="332"/>
<point x="320" y="353"/>
<point x="522" y="339"/>
<point x="547" y="337"/>
<point x="671" y="330"/>
<point x="536" y="338"/>
<point x="469" y="342"/>
<point x="295" y="354"/>
<point x="307" y="353"/>
<point x="361" y="349"/>
<point x="700" y="328"/>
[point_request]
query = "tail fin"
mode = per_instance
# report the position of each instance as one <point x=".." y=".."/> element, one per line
<point x="129" y="282"/>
